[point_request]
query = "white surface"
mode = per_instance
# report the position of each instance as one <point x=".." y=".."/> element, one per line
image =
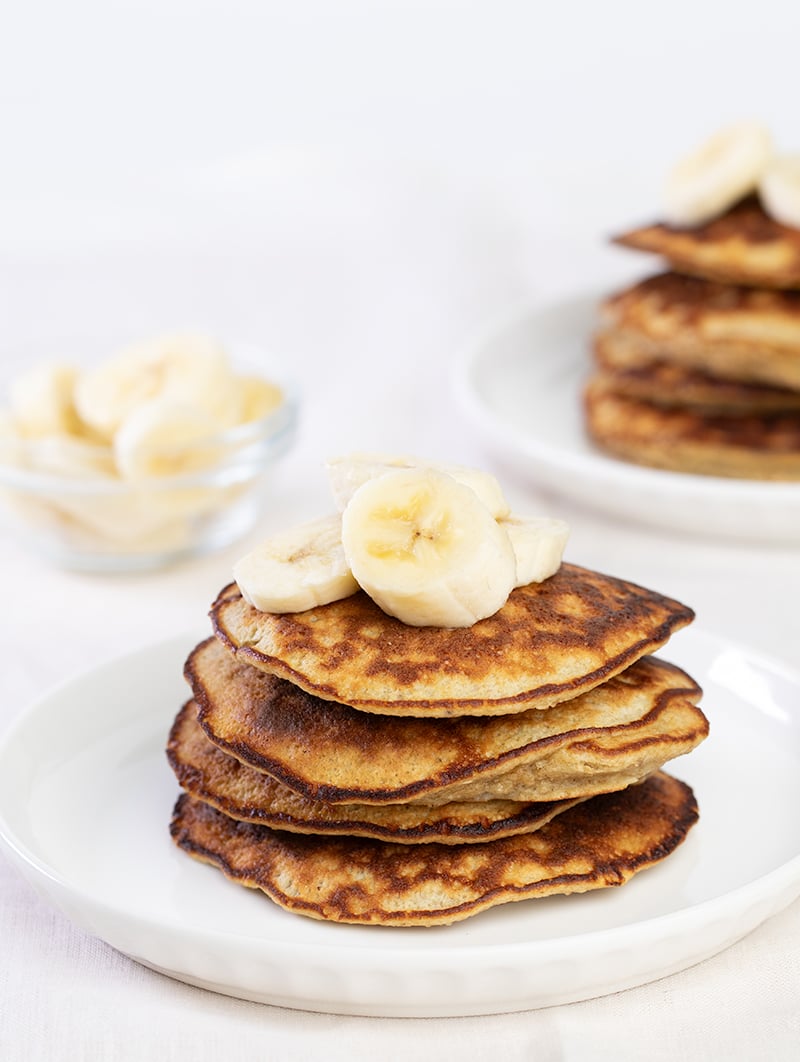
<point x="360" y="187"/>
<point x="520" y="388"/>
<point x="85" y="796"/>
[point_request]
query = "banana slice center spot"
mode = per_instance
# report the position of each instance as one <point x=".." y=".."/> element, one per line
<point x="410" y="531"/>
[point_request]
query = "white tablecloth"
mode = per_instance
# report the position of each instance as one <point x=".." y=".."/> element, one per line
<point x="368" y="276"/>
<point x="67" y="995"/>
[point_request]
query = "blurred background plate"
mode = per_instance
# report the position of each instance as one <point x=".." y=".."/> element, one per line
<point x="520" y="388"/>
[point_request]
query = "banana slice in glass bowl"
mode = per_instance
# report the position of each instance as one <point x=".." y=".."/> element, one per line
<point x="143" y="455"/>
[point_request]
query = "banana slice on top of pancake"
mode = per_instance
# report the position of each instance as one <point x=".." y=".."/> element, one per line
<point x="724" y="169"/>
<point x="350" y="471"/>
<point x="427" y="550"/>
<point x="779" y="190"/>
<point x="431" y="545"/>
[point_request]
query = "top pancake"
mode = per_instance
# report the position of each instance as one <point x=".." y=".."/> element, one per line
<point x="743" y="246"/>
<point x="550" y="642"/>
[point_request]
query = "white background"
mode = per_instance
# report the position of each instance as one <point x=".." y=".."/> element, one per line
<point x="361" y="187"/>
<point x="371" y="179"/>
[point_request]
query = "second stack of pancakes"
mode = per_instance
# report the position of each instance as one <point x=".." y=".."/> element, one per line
<point x="357" y="769"/>
<point x="697" y="369"/>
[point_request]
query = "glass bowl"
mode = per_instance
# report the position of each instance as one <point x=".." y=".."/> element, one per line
<point x="98" y="522"/>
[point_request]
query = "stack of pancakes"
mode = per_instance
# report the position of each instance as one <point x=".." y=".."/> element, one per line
<point x="357" y="769"/>
<point x="698" y="369"/>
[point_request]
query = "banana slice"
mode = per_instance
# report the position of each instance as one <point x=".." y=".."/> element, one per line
<point x="259" y="397"/>
<point x="12" y="444"/>
<point x="71" y="457"/>
<point x="348" y="473"/>
<point x="183" y="368"/>
<point x="41" y="401"/>
<point x="723" y="170"/>
<point x="538" y="543"/>
<point x="297" y="569"/>
<point x="427" y="549"/>
<point x="779" y="190"/>
<point x="162" y="437"/>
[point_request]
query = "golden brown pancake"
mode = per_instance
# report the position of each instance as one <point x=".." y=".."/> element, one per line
<point x="548" y="643"/>
<point x="743" y="246"/>
<point x="243" y="793"/>
<point x="732" y="333"/>
<point x="667" y="384"/>
<point x="741" y="446"/>
<point x="600" y="842"/>
<point x="604" y="739"/>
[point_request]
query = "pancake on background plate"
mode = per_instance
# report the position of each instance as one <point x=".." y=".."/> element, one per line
<point x="667" y="384"/>
<point x="742" y="446"/>
<point x="737" y="334"/>
<point x="697" y="370"/>
<point x="742" y="246"/>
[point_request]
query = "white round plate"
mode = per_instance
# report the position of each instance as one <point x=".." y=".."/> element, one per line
<point x="86" y="796"/>
<point x="520" y="387"/>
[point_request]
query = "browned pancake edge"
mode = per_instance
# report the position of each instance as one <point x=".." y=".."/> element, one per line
<point x="599" y="843"/>
<point x="732" y="333"/>
<point x="670" y="385"/>
<point x="603" y="739"/>
<point x="243" y="793"/>
<point x="550" y="642"/>
<point x="743" y="246"/>
<point x="754" y="447"/>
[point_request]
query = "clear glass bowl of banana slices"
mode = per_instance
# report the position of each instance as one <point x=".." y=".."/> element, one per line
<point x="145" y="455"/>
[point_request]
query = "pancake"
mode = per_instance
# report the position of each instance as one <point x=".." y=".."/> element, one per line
<point x="604" y="739"/>
<point x="738" y="334"/>
<point x="667" y="384"/>
<point x="598" y="843"/>
<point x="743" y="246"/>
<point x="243" y="793"/>
<point x="741" y="446"/>
<point x="551" y="641"/>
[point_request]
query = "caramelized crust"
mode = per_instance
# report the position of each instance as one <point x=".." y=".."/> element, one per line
<point x="243" y="793"/>
<point x="601" y="740"/>
<point x="600" y="842"/>
<point x="763" y="447"/>
<point x="550" y="642"/>
<point x="743" y="246"/>
<point x="667" y="384"/>
<point x="732" y="333"/>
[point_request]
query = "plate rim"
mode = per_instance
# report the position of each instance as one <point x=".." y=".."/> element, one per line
<point x="780" y="886"/>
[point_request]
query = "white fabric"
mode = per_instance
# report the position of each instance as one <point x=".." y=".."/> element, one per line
<point x="367" y="259"/>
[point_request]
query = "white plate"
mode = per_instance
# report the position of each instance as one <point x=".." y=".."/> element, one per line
<point x="86" y="796"/>
<point x="520" y="387"/>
